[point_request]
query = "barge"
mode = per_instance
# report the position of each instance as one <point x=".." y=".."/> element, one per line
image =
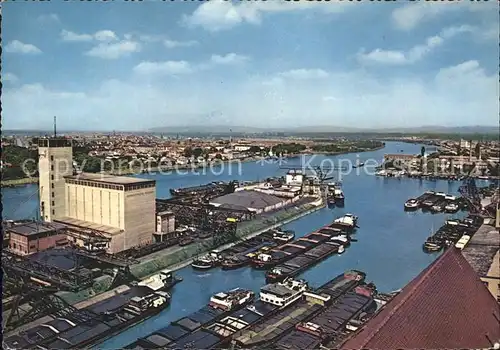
<point x="304" y="261"/>
<point x="451" y="233"/>
<point x="207" y="261"/>
<point x="263" y="333"/>
<point x="103" y="320"/>
<point x="164" y="280"/>
<point x="342" y="226"/>
<point x="220" y="305"/>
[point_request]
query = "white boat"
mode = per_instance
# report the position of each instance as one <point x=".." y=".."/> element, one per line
<point x="341" y="249"/>
<point x="462" y="242"/>
<point x="411" y="204"/>
<point x="343" y="239"/>
<point x="163" y="280"/>
<point x="348" y="220"/>
<point x="283" y="293"/>
<point x="451" y="207"/>
<point x="232" y="299"/>
<point x="207" y="261"/>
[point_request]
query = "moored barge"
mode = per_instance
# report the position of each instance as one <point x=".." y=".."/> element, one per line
<point x="101" y="321"/>
<point x="220" y="305"/>
<point x="304" y="261"/>
<point x="341" y="226"/>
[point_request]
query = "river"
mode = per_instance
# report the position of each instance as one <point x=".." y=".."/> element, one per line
<point x="389" y="247"/>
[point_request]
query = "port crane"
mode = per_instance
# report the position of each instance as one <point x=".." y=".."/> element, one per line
<point x="470" y="192"/>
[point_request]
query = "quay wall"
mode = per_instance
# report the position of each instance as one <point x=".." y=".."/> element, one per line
<point x="184" y="257"/>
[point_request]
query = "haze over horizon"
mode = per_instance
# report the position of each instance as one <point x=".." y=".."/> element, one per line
<point x="259" y="64"/>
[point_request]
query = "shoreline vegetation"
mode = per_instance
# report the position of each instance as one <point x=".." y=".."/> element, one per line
<point x="323" y="149"/>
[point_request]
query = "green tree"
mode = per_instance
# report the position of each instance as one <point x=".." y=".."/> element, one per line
<point x="422" y="151"/>
<point x="197" y="152"/>
<point x="477" y="150"/>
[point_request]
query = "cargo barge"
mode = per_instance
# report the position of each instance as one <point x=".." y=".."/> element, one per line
<point x="101" y="321"/>
<point x="329" y="324"/>
<point x="343" y="225"/>
<point x="304" y="261"/>
<point x="266" y="331"/>
<point x="220" y="305"/>
<point x="277" y="302"/>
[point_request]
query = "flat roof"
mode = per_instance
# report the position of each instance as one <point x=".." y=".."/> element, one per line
<point x="111" y="179"/>
<point x="481" y="249"/>
<point x="33" y="228"/>
<point x="89" y="225"/>
<point x="247" y="199"/>
<point x="276" y="289"/>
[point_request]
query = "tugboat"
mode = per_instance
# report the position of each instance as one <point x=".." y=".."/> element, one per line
<point x="283" y="237"/>
<point x="207" y="261"/>
<point x="411" y="204"/>
<point x="233" y="299"/>
<point x="347" y="222"/>
<point x="162" y="281"/>
<point x="145" y="306"/>
<point x="330" y="195"/>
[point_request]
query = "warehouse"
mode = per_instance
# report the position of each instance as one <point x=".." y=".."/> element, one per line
<point x="121" y="207"/>
<point x="32" y="237"/>
<point x="257" y="202"/>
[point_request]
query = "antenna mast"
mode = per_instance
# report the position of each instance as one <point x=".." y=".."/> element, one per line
<point x="55" y="130"/>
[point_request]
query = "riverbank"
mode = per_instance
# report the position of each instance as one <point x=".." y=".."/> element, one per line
<point x="19" y="182"/>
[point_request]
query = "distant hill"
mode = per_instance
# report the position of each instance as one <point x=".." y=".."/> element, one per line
<point x="235" y="129"/>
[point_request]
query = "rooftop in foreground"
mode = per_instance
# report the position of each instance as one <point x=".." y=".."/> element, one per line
<point x="33" y="228"/>
<point x="111" y="179"/>
<point x="481" y="249"/>
<point x="445" y="307"/>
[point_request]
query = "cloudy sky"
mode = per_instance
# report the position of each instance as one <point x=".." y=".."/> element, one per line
<point x="133" y="66"/>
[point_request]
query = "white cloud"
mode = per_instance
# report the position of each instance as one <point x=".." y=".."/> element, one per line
<point x="114" y="50"/>
<point x="408" y="16"/>
<point x="304" y="74"/>
<point x="230" y="58"/>
<point x="67" y="35"/>
<point x="459" y="95"/>
<point x="105" y="35"/>
<point x="171" y="44"/>
<point x="167" y="68"/>
<point x="416" y="53"/>
<point x="15" y="46"/>
<point x="101" y="35"/>
<point x="50" y="17"/>
<point x="219" y="15"/>
<point x="10" y="77"/>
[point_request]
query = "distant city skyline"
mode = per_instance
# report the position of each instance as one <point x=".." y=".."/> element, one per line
<point x="123" y="66"/>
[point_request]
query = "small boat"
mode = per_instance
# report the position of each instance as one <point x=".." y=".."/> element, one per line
<point x="339" y="197"/>
<point x="342" y="240"/>
<point x="233" y="299"/>
<point x="207" y="261"/>
<point x="341" y="249"/>
<point x="348" y="221"/>
<point x="451" y="207"/>
<point x="140" y="306"/>
<point x="283" y="236"/>
<point x="330" y="200"/>
<point x="462" y="242"/>
<point x="411" y="204"/>
<point x="161" y="281"/>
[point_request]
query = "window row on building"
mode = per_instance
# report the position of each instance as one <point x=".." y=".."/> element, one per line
<point x="128" y="187"/>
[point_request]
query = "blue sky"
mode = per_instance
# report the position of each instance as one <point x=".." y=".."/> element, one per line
<point x="132" y="66"/>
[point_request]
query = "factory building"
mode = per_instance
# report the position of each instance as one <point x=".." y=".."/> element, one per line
<point x="32" y="237"/>
<point x="121" y="207"/>
<point x="55" y="161"/>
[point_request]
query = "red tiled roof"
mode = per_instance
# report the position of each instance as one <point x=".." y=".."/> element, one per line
<point x="444" y="307"/>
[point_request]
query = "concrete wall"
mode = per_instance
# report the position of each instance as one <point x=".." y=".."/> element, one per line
<point x="54" y="163"/>
<point x="140" y="216"/>
<point x="98" y="205"/>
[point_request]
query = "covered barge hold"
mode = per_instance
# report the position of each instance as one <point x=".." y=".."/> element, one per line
<point x="219" y="305"/>
<point x="266" y="331"/>
<point x="330" y="322"/>
<point x="103" y="320"/>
